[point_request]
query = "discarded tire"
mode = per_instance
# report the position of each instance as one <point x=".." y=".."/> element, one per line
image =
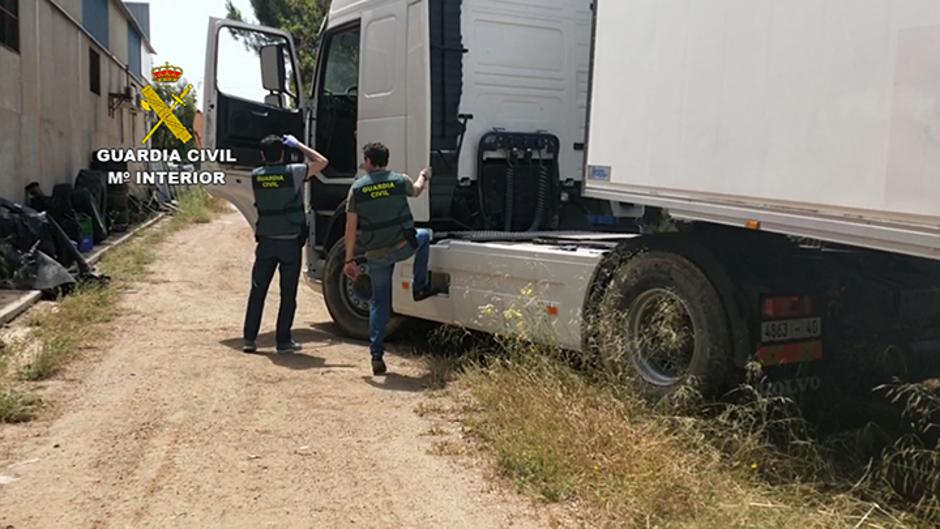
<point x="119" y="206"/>
<point x="35" y="198"/>
<point x="96" y="182"/>
<point x="120" y="221"/>
<point x="116" y="202"/>
<point x="60" y="208"/>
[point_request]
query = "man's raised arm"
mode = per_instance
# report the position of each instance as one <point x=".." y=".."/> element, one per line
<point x="316" y="161"/>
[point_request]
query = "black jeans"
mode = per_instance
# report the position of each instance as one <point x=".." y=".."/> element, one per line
<point x="271" y="254"/>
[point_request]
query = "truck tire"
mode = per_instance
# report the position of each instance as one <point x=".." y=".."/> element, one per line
<point x="663" y="327"/>
<point x="345" y="302"/>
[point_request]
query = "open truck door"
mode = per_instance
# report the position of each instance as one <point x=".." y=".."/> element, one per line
<point x="252" y="88"/>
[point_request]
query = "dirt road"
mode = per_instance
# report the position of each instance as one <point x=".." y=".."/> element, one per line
<point x="171" y="426"/>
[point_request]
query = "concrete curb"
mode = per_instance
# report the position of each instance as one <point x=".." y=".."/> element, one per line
<point x="16" y="302"/>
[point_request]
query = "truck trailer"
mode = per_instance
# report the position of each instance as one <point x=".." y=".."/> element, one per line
<point x="676" y="189"/>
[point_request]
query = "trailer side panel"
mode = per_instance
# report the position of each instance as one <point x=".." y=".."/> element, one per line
<point x="824" y="110"/>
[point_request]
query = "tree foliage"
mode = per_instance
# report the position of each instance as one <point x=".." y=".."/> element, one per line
<point x="163" y="139"/>
<point x="300" y="18"/>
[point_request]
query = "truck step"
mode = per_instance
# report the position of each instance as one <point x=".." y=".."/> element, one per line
<point x="441" y="282"/>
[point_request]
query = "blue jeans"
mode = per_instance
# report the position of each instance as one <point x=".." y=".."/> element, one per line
<point x="380" y="271"/>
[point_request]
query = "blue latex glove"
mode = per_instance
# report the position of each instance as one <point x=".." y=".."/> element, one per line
<point x="290" y="141"/>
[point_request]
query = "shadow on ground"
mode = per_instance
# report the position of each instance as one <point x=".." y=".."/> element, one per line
<point x="300" y="361"/>
<point x="330" y="333"/>
<point x="411" y="342"/>
<point x="397" y="382"/>
<point x="321" y="335"/>
<point x="311" y="341"/>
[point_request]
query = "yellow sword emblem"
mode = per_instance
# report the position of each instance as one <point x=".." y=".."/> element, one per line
<point x="153" y="102"/>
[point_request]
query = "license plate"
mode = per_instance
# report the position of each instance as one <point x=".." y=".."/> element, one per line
<point x="790" y="330"/>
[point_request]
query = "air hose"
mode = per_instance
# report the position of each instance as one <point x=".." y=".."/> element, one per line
<point x="510" y="189"/>
<point x="481" y="199"/>
<point x="541" y="197"/>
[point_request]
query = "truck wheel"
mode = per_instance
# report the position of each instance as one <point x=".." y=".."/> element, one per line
<point x="345" y="300"/>
<point x="665" y="326"/>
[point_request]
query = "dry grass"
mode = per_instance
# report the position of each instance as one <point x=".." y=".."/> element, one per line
<point x="435" y="431"/>
<point x="910" y="467"/>
<point x="75" y="323"/>
<point x="562" y="436"/>
<point x="567" y="428"/>
<point x="450" y="350"/>
<point x="131" y="260"/>
<point x="61" y="334"/>
<point x="196" y="206"/>
<point x="441" y="371"/>
<point x="17" y="405"/>
<point x="449" y="447"/>
<point x="426" y="409"/>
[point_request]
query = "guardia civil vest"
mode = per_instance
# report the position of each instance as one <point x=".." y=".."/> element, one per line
<point x="384" y="215"/>
<point x="279" y="203"/>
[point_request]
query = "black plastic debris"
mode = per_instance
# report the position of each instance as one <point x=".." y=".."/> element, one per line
<point x="36" y="252"/>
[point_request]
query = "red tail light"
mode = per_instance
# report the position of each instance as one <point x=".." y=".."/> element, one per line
<point x="786" y="307"/>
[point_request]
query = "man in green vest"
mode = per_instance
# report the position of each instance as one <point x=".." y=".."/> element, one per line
<point x="280" y="232"/>
<point x="380" y="225"/>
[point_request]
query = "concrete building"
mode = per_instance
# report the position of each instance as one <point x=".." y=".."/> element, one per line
<point x="70" y="75"/>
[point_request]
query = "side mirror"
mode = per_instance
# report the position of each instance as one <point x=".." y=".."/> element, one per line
<point x="273" y="77"/>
